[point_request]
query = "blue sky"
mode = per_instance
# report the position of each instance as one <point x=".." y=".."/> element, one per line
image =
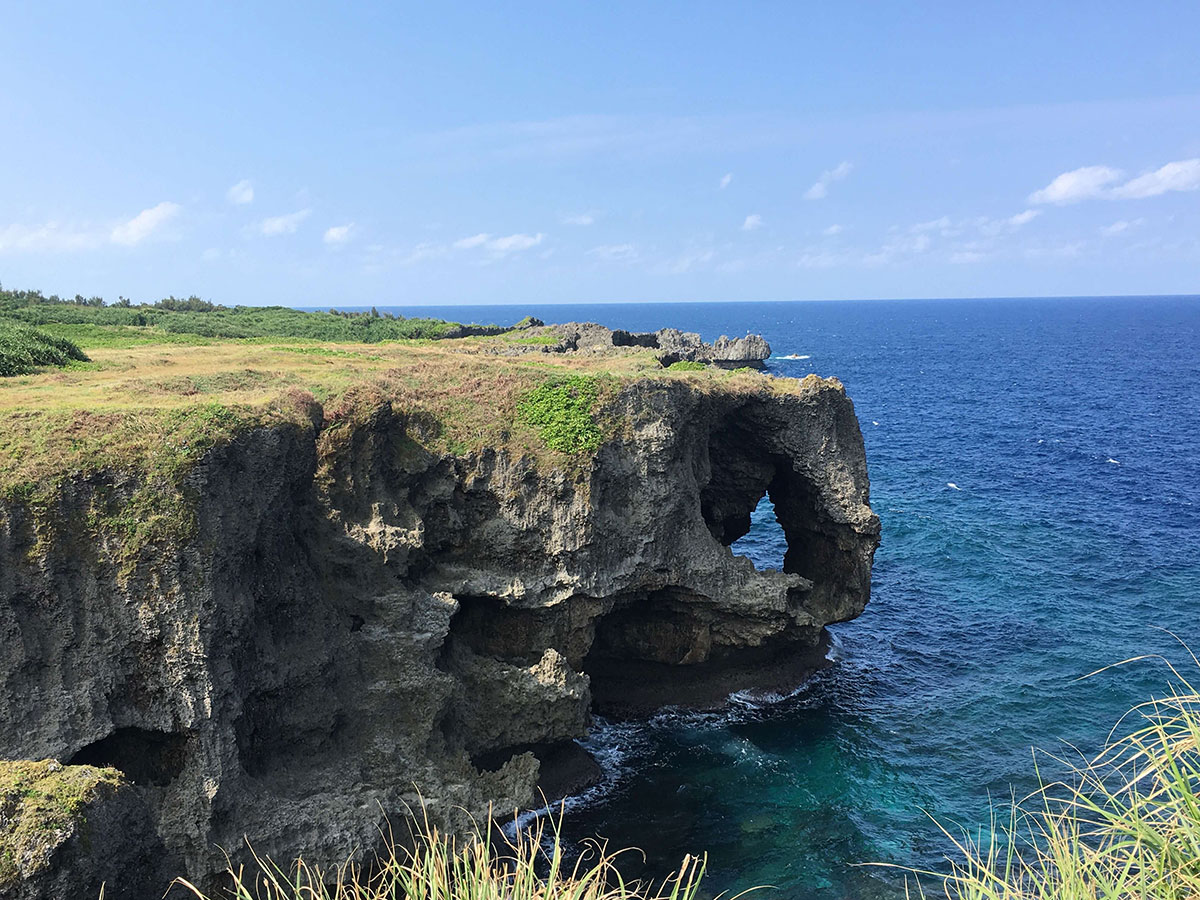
<point x="337" y="154"/>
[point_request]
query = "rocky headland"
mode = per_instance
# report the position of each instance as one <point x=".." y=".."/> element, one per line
<point x="359" y="602"/>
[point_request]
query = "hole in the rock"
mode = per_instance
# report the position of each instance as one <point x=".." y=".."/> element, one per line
<point x="144" y="756"/>
<point x="765" y="543"/>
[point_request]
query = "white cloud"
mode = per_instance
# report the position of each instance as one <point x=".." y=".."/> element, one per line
<point x="421" y="252"/>
<point x="499" y="246"/>
<point x="339" y="234"/>
<point x="514" y="243"/>
<point x="50" y="237"/>
<point x="725" y="179"/>
<point x="820" y="188"/>
<point x="1122" y="225"/>
<point x="475" y="240"/>
<point x="288" y="224"/>
<point x="1182" y="175"/>
<point x="752" y="223"/>
<point x="1076" y="185"/>
<point x="581" y="219"/>
<point x="943" y="225"/>
<point x="211" y="254"/>
<point x="1024" y="218"/>
<point x="144" y="224"/>
<point x="614" y="252"/>
<point x="241" y="193"/>
<point x="833" y="229"/>
<point x="685" y="262"/>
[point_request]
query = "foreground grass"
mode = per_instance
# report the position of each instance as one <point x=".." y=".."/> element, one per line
<point x="531" y="866"/>
<point x="1124" y="825"/>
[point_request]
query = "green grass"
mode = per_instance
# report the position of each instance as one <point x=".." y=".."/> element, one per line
<point x="479" y="867"/>
<point x="1124" y="825"/>
<point x="42" y="803"/>
<point x="198" y="319"/>
<point x="24" y="350"/>
<point x="686" y="365"/>
<point x="562" y="410"/>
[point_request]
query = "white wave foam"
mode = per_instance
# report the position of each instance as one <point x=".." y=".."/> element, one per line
<point x="1113" y="461"/>
<point x="951" y="484"/>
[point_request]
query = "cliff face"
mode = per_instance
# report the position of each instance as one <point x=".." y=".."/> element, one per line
<point x="355" y="615"/>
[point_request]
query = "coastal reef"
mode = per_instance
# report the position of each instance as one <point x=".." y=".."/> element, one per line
<point x="310" y="610"/>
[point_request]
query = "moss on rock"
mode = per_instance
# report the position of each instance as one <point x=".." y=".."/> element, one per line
<point x="42" y="805"/>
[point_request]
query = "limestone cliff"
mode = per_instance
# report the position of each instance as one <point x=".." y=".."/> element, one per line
<point x="354" y="614"/>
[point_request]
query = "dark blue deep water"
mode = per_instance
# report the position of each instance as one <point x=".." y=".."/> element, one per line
<point x="1036" y="465"/>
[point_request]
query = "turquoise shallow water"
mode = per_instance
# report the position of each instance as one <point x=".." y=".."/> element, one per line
<point x="1070" y="431"/>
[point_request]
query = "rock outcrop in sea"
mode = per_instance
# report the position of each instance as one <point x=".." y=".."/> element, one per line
<point x="354" y="617"/>
<point x="670" y="344"/>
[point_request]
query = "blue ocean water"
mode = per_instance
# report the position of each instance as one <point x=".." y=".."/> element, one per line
<point x="1036" y="465"/>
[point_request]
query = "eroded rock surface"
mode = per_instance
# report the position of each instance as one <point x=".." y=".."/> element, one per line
<point x="355" y="616"/>
<point x="671" y="344"/>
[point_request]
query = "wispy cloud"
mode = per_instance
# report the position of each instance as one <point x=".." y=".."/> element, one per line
<point x="1023" y="218"/>
<point x="614" y="252"/>
<point x="1101" y="181"/>
<point x="286" y="224"/>
<point x="56" y="237"/>
<point x="145" y="224"/>
<point x="48" y="238"/>
<point x="241" y="193"/>
<point x="475" y="240"/>
<point x="725" y="180"/>
<point x="820" y="188"/>
<point x="1076" y="185"/>
<point x="339" y="234"/>
<point x="753" y="222"/>
<point x="580" y="219"/>
<point x="1183" y="175"/>
<point x="687" y="261"/>
<point x="1120" y="226"/>
<point x="499" y="246"/>
<point x="833" y="229"/>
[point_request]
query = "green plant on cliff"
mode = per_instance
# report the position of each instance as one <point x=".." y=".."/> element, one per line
<point x="1125" y="825"/>
<point x="686" y="365"/>
<point x="479" y="867"/>
<point x="41" y="805"/>
<point x="24" y="349"/>
<point x="562" y="410"/>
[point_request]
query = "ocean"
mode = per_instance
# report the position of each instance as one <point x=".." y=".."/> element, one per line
<point x="1036" y="466"/>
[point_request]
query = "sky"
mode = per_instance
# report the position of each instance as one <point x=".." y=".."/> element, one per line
<point x="436" y="153"/>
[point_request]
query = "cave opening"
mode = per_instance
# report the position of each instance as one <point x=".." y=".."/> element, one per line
<point x="143" y="756"/>
<point x="765" y="544"/>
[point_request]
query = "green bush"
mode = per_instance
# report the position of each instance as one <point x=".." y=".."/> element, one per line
<point x="686" y="365"/>
<point x="194" y="316"/>
<point x="561" y="410"/>
<point x="24" y="349"/>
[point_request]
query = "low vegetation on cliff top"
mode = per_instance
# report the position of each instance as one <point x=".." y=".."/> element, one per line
<point x="137" y="395"/>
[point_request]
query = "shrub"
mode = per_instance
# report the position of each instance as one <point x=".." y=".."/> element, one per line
<point x="23" y="349"/>
<point x="477" y="868"/>
<point x="561" y="411"/>
<point x="686" y="365"/>
<point x="1124" y="825"/>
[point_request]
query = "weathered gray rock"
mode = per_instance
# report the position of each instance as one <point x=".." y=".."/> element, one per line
<point x="671" y="344"/>
<point x="336" y="634"/>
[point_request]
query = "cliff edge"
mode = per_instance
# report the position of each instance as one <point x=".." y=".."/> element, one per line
<point x="359" y="607"/>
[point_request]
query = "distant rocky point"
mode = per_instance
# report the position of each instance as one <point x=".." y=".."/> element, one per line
<point x="672" y="344"/>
